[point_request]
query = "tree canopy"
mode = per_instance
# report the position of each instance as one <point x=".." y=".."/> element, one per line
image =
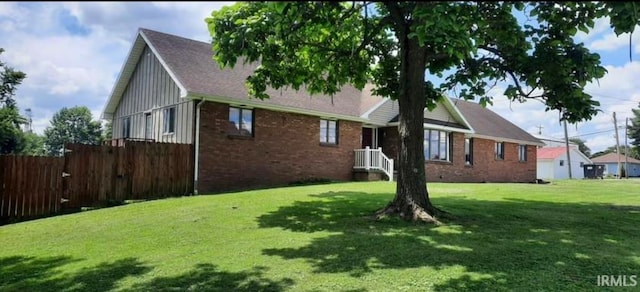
<point x="11" y="137"/>
<point x="9" y="81"/>
<point x="581" y="146"/>
<point x="634" y="129"/>
<point x="71" y="125"/>
<point x="323" y="46"/>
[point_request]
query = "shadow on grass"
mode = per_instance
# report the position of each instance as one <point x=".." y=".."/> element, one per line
<point x="206" y="277"/>
<point x="20" y="273"/>
<point x="500" y="245"/>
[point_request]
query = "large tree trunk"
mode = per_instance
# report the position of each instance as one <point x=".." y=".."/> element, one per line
<point x="412" y="199"/>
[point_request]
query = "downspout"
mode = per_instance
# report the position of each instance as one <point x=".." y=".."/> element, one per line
<point x="197" y="148"/>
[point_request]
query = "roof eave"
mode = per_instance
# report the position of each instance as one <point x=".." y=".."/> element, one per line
<point x="436" y="127"/>
<point x="126" y="72"/>
<point x="453" y="109"/>
<point x="508" y="140"/>
<point x="273" y="107"/>
<point x="374" y="108"/>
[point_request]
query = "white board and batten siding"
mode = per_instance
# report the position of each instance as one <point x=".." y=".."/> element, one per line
<point x="440" y="113"/>
<point x="384" y="113"/>
<point x="390" y="109"/>
<point x="148" y="96"/>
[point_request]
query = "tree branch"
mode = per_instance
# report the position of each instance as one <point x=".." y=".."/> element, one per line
<point x="397" y="17"/>
<point x="510" y="72"/>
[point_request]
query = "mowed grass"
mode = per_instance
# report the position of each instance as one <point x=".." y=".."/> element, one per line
<point x="515" y="237"/>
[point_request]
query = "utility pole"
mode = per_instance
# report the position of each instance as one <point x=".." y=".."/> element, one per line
<point x="566" y="143"/>
<point x="615" y="124"/>
<point x="540" y="129"/>
<point x="29" y="121"/>
<point x="626" y="149"/>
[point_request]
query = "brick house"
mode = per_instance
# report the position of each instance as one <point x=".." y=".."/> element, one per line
<point x="170" y="90"/>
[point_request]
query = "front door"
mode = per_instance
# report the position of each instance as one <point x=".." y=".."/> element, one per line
<point x="368" y="138"/>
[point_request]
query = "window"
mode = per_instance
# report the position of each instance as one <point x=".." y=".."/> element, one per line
<point x="169" y="120"/>
<point x="561" y="162"/>
<point x="468" y="151"/>
<point x="436" y="145"/>
<point x="126" y="127"/>
<point x="500" y="150"/>
<point x="328" y="132"/>
<point x="240" y="121"/>
<point x="522" y="152"/>
<point x="581" y="164"/>
<point x="148" y="129"/>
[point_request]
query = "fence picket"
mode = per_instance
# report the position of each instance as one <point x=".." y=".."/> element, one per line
<point x="34" y="186"/>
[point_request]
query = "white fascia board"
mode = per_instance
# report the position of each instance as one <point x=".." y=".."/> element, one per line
<point x="438" y="127"/>
<point x="500" y="139"/>
<point x="274" y="107"/>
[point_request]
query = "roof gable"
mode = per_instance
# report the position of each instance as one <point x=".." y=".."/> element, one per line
<point x="191" y="66"/>
<point x="445" y="114"/>
<point x="192" y="63"/>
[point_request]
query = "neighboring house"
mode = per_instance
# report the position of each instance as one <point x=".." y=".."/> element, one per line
<point x="170" y="90"/>
<point x="553" y="163"/>
<point x="610" y="161"/>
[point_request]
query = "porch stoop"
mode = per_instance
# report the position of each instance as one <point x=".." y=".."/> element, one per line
<point x="372" y="175"/>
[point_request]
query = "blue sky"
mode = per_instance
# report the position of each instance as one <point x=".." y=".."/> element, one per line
<point x="72" y="53"/>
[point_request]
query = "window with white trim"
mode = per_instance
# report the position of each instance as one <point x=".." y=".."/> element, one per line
<point x="468" y="151"/>
<point x="522" y="153"/>
<point x="328" y="132"/>
<point x="169" y="120"/>
<point x="126" y="127"/>
<point x="499" y="150"/>
<point x="436" y="145"/>
<point x="240" y="122"/>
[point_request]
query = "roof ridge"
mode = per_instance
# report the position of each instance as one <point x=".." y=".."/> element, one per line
<point x="142" y="29"/>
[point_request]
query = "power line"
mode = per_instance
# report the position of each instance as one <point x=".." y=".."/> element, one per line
<point x="594" y="133"/>
<point x="609" y="97"/>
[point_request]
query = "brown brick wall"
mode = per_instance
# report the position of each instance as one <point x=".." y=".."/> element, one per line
<point x="485" y="167"/>
<point x="285" y="148"/>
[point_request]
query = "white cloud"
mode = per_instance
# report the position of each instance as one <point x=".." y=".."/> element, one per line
<point x="600" y="25"/>
<point x="122" y="19"/>
<point x="74" y="51"/>
<point x="612" y="42"/>
<point x="618" y="91"/>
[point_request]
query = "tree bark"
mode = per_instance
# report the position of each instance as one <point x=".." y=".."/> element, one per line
<point x="412" y="198"/>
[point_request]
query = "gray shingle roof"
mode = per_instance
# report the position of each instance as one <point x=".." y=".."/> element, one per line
<point x="613" y="158"/>
<point x="191" y="62"/>
<point x="487" y="123"/>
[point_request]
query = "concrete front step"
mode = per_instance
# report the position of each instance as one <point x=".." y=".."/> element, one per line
<point x="371" y="175"/>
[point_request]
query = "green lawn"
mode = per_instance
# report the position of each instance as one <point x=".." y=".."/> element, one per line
<point x="522" y="237"/>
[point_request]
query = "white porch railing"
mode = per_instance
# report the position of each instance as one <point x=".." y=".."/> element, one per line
<point x="370" y="159"/>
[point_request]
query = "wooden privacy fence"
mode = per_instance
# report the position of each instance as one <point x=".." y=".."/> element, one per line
<point x="90" y="175"/>
<point x="30" y="186"/>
